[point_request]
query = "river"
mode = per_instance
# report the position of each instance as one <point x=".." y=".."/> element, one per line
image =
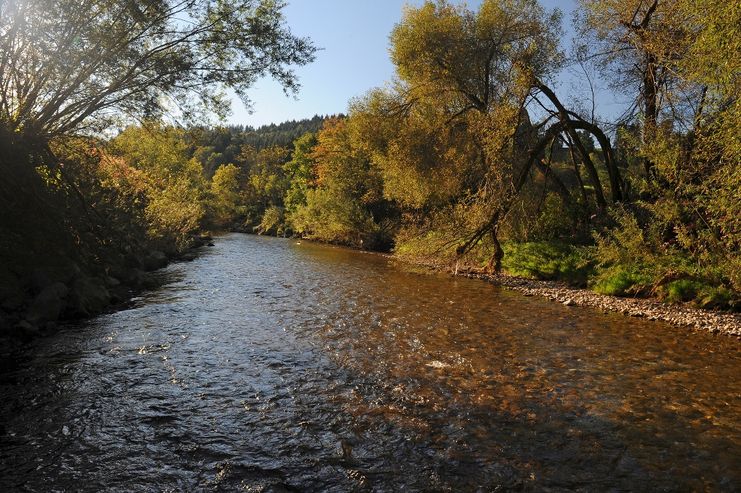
<point x="275" y="365"/>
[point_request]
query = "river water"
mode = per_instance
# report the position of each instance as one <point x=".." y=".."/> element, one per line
<point x="269" y="365"/>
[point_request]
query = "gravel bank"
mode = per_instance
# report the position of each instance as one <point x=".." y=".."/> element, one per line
<point x="678" y="315"/>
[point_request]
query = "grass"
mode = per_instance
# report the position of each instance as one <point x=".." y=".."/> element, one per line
<point x="549" y="261"/>
<point x="621" y="281"/>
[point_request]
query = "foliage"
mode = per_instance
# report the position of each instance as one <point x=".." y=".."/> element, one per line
<point x="635" y="259"/>
<point x="174" y="186"/>
<point x="266" y="183"/>
<point x="300" y="172"/>
<point x="458" y="129"/>
<point x="272" y="222"/>
<point x="549" y="260"/>
<point x="621" y="281"/>
<point x="72" y="65"/>
<point x="347" y="205"/>
<point x="467" y="157"/>
<point x="282" y="134"/>
<point x="225" y="195"/>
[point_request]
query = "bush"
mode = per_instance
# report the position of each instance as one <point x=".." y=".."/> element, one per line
<point x="717" y="297"/>
<point x="272" y="222"/>
<point x="549" y="260"/>
<point x="622" y="281"/>
<point x="681" y="290"/>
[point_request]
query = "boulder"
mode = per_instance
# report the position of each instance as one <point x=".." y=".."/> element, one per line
<point x="12" y="292"/>
<point x="88" y="296"/>
<point x="26" y="329"/>
<point x="154" y="260"/>
<point x="48" y="304"/>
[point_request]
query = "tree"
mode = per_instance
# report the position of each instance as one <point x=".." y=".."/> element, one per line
<point x="266" y="181"/>
<point x="347" y="204"/>
<point x="638" y="45"/>
<point x="79" y="65"/>
<point x="469" y="83"/>
<point x="677" y="59"/>
<point x="175" y="188"/>
<point x="300" y="172"/>
<point x="225" y="194"/>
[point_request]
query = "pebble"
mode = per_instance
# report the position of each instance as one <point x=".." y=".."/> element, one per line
<point x="679" y="315"/>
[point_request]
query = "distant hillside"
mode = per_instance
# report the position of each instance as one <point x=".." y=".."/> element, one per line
<point x="282" y="134"/>
<point x="216" y="146"/>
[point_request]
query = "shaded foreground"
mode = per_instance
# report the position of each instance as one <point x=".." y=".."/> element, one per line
<point x="276" y="366"/>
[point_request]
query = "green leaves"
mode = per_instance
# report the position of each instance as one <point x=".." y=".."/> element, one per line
<point x="83" y="65"/>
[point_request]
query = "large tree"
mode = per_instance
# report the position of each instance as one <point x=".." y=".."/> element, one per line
<point x="642" y="48"/>
<point x="73" y="65"/>
<point x="470" y="84"/>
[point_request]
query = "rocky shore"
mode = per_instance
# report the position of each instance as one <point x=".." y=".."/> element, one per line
<point x="32" y="304"/>
<point x="678" y="315"/>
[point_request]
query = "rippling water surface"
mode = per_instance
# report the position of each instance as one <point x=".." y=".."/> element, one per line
<point x="267" y="365"/>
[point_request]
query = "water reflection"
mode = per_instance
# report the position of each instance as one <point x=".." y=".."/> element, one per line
<point x="275" y="366"/>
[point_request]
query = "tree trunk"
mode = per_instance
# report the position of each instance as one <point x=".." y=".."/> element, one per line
<point x="650" y="107"/>
<point x="495" y="262"/>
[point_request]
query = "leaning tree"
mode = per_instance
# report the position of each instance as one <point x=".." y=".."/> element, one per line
<point x="487" y="71"/>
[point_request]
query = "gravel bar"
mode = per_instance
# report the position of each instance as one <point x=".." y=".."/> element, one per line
<point x="675" y="314"/>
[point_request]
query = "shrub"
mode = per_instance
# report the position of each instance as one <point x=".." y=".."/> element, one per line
<point x="717" y="297"/>
<point x="681" y="290"/>
<point x="549" y="260"/>
<point x="272" y="222"/>
<point x="621" y="281"/>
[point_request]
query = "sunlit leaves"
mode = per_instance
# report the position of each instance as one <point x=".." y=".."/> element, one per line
<point x="225" y="194"/>
<point x="82" y="65"/>
<point x="474" y="57"/>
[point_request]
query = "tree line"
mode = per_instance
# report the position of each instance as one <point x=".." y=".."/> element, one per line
<point x="470" y="156"/>
<point x="85" y="213"/>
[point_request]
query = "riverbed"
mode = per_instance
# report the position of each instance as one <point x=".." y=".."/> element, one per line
<point x="274" y="365"/>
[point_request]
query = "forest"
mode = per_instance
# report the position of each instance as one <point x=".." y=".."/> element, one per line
<point x="472" y="155"/>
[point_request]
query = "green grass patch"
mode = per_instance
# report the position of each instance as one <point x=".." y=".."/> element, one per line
<point x="681" y="290"/>
<point x="621" y="281"/>
<point x="550" y="261"/>
<point x="717" y="297"/>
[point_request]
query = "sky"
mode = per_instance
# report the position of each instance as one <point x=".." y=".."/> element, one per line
<point x="353" y="37"/>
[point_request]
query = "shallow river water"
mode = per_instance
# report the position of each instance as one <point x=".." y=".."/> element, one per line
<point x="269" y="365"/>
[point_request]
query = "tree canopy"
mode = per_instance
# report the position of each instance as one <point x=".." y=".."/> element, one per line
<point x="76" y="65"/>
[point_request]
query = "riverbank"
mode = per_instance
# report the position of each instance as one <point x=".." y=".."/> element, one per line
<point x="34" y="303"/>
<point x="678" y="315"/>
<point x="651" y="309"/>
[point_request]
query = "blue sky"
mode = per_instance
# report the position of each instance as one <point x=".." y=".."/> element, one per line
<point x="353" y="36"/>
